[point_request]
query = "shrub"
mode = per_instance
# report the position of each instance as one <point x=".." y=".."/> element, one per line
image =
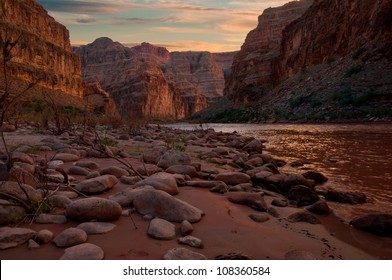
<point x="353" y="70"/>
<point x="359" y="52"/>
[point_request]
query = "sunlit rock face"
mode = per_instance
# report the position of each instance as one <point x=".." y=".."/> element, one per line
<point x="252" y="66"/>
<point x="43" y="51"/>
<point x="149" y="82"/>
<point x="333" y="27"/>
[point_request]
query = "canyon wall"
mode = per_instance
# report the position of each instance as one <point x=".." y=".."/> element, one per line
<point x="150" y="82"/>
<point x="252" y="66"/>
<point x="43" y="52"/>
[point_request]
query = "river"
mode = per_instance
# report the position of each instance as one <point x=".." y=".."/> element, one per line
<point x="353" y="156"/>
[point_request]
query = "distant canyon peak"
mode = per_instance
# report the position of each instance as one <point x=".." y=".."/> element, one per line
<point x="148" y="81"/>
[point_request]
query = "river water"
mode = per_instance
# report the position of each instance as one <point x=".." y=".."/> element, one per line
<point x="355" y="157"/>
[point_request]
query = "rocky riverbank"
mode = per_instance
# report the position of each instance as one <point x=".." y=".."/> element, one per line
<point x="160" y="193"/>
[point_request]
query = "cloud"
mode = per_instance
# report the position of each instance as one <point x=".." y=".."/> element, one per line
<point x="71" y="6"/>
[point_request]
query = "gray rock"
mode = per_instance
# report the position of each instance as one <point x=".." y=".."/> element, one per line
<point x="53" y="164"/>
<point x="13" y="237"/>
<point x="161" y="204"/>
<point x="31" y="245"/>
<point x="319" y="208"/>
<point x="279" y="202"/>
<point x="161" y="229"/>
<point x="173" y="157"/>
<point x="182" y="169"/>
<point x="181" y="253"/>
<point x="253" y="200"/>
<point x="94" y="208"/>
<point x="191" y="241"/>
<point x="66" y="157"/>
<point x="153" y="155"/>
<point x="130" y="180"/>
<point x="93" y="174"/>
<point x="44" y="236"/>
<point x="97" y="184"/>
<point x="59" y="201"/>
<point x="87" y="164"/>
<point x="303" y="195"/>
<point x="96" y="227"/>
<point x="51" y="219"/>
<point x="10" y="213"/>
<point x="77" y="170"/>
<point x="70" y="237"/>
<point x="115" y="171"/>
<point x="303" y="217"/>
<point x="85" y="251"/>
<point x="378" y="224"/>
<point x="233" y="178"/>
<point x="259" y="217"/>
<point x="161" y="181"/>
<point x="14" y="189"/>
<point x="186" y="228"/>
<point x="22" y="157"/>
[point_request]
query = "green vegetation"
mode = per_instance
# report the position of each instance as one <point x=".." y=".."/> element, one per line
<point x="353" y="70"/>
<point x="357" y="54"/>
<point x="348" y="97"/>
<point x="179" y="147"/>
<point x="109" y="142"/>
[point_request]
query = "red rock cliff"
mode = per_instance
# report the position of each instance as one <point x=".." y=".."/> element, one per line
<point x="43" y="51"/>
<point x="252" y="66"/>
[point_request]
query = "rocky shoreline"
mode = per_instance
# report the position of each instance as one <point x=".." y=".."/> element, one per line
<point x="160" y="193"/>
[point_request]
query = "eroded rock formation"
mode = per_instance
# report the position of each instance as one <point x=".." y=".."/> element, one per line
<point x="42" y="52"/>
<point x="148" y="81"/>
<point x="252" y="66"/>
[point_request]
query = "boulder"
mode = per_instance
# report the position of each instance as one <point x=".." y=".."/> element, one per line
<point x="350" y="197"/>
<point x="65" y="157"/>
<point x="161" y="229"/>
<point x="173" y="157"/>
<point x="97" y="184"/>
<point x="87" y="164"/>
<point x="115" y="171"/>
<point x="51" y="219"/>
<point x="303" y="217"/>
<point x="315" y="176"/>
<point x="77" y="170"/>
<point x="130" y="180"/>
<point x="233" y="178"/>
<point x="94" y="208"/>
<point x="259" y="217"/>
<point x="190" y="241"/>
<point x="15" y="189"/>
<point x="85" y="251"/>
<point x="22" y="157"/>
<point x="153" y="155"/>
<point x="147" y="169"/>
<point x="60" y="201"/>
<point x="294" y="180"/>
<point x="254" y="146"/>
<point x="320" y="208"/>
<point x="96" y="227"/>
<point x="186" y="228"/>
<point x="303" y="195"/>
<point x="180" y="253"/>
<point x="44" y="236"/>
<point x="13" y="237"/>
<point x="182" y="169"/>
<point x="10" y="213"/>
<point x="70" y="237"/>
<point x="378" y="224"/>
<point x="162" y="205"/>
<point x="253" y="200"/>
<point x="161" y="181"/>
<point x="279" y="202"/>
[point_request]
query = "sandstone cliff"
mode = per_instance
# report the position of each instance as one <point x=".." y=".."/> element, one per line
<point x="43" y="50"/>
<point x="252" y="66"/>
<point x="148" y="81"/>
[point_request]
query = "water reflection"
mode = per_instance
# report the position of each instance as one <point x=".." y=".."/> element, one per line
<point x="353" y="156"/>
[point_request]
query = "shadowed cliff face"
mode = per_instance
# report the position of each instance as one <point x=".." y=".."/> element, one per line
<point x="252" y="66"/>
<point x="148" y="81"/>
<point x="332" y="27"/>
<point x="43" y="50"/>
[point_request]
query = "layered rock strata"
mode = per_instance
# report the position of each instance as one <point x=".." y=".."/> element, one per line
<point x="42" y="52"/>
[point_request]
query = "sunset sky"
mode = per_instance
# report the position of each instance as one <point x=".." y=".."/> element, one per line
<point x="213" y="25"/>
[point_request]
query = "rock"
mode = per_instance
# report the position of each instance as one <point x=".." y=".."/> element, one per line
<point x="22" y="157"/>
<point x="147" y="169"/>
<point x="261" y="177"/>
<point x="60" y="201"/>
<point x="7" y="128"/>
<point x="14" y="189"/>
<point x="51" y="219"/>
<point x="93" y="174"/>
<point x="31" y="245"/>
<point x="153" y="155"/>
<point x="378" y="224"/>
<point x="93" y="208"/>
<point x="162" y="205"/>
<point x="253" y="200"/>
<point x="173" y="157"/>
<point x="186" y="228"/>
<point x="87" y="164"/>
<point x="4" y="172"/>
<point x="10" y="213"/>
<point x="233" y="178"/>
<point x="96" y="227"/>
<point x="115" y="171"/>
<point x="180" y="253"/>
<point x="130" y="180"/>
<point x="351" y="197"/>
<point x="255" y="146"/>
<point x="85" y="251"/>
<point x="294" y="180"/>
<point x="161" y="229"/>
<point x="13" y="237"/>
<point x="182" y="169"/>
<point x="303" y="195"/>
<point x="124" y="198"/>
<point x="53" y="164"/>
<point x="29" y="168"/>
<point x="279" y="202"/>
<point x="66" y="157"/>
<point x="44" y="236"/>
<point x="320" y="208"/>
<point x="315" y="176"/>
<point x="97" y="184"/>
<point x="303" y="217"/>
<point x="233" y="256"/>
<point x="70" y="237"/>
<point x="300" y="255"/>
<point x="273" y="212"/>
<point x="259" y="217"/>
<point x="191" y="241"/>
<point x="77" y="170"/>
<point x="69" y="194"/>
<point x="161" y="181"/>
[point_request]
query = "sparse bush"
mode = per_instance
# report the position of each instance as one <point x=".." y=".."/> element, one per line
<point x="348" y="97"/>
<point x="359" y="52"/>
<point x="353" y="70"/>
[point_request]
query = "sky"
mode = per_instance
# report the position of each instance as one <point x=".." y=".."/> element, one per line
<point x="197" y="25"/>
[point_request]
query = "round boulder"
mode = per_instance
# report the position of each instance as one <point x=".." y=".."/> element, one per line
<point x="97" y="184"/>
<point x="378" y="224"/>
<point x="94" y="208"/>
<point x="161" y="181"/>
<point x="173" y="157"/>
<point x="233" y="178"/>
<point x="180" y="253"/>
<point x="70" y="237"/>
<point x="85" y="251"/>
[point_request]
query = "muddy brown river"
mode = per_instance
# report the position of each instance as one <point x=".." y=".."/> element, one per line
<point x="353" y="156"/>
